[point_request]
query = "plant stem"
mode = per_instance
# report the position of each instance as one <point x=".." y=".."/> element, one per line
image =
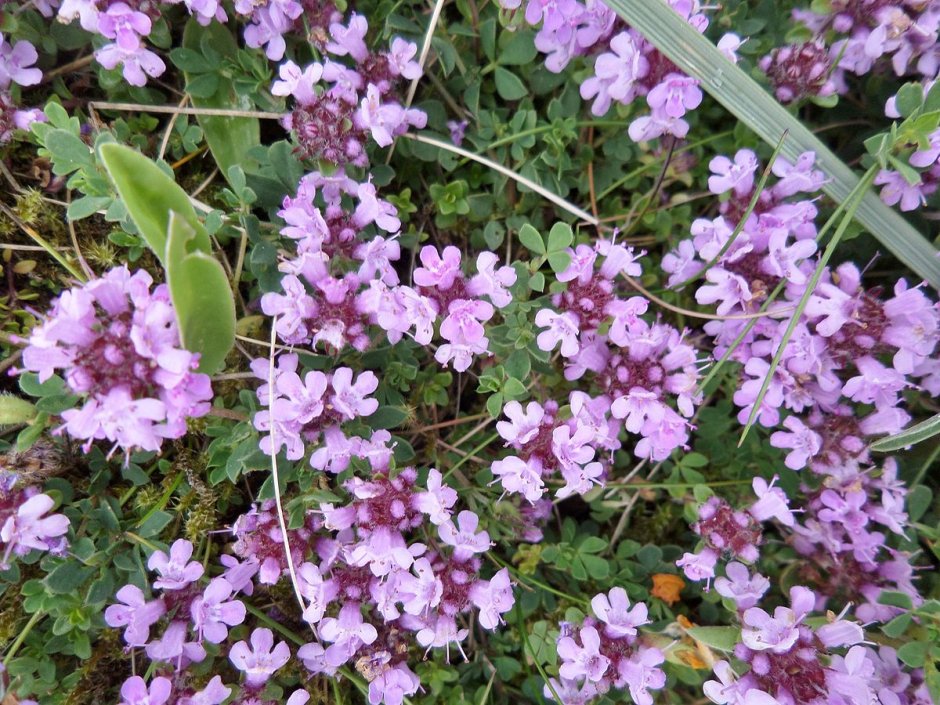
<point x="21" y="637"/>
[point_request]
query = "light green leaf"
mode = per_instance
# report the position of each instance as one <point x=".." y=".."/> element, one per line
<point x="746" y="100"/>
<point x="560" y="237"/>
<point x="509" y="86"/>
<point x="229" y="138"/>
<point x="531" y="239"/>
<point x="14" y="410"/>
<point x="721" y="638"/>
<point x="149" y="195"/>
<point x="910" y="436"/>
<point x="202" y="297"/>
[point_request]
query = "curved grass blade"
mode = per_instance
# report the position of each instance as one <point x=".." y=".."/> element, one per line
<point x="917" y="433"/>
<point x="756" y="108"/>
<point x="851" y="206"/>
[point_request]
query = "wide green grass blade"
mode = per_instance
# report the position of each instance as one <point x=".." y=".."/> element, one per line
<point x="757" y="109"/>
<point x="910" y="436"/>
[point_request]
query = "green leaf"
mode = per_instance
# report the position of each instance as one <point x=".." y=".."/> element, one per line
<point x="537" y="282"/>
<point x="150" y="195"/>
<point x="67" y="577"/>
<point x="68" y="152"/>
<point x="592" y="544"/>
<point x="597" y="567"/>
<point x="918" y="501"/>
<point x="745" y="99"/>
<point x="519" y="364"/>
<point x="387" y="417"/>
<point x="229" y="137"/>
<point x="87" y="206"/>
<point x="909" y="99"/>
<point x="560" y="237"/>
<point x="519" y="50"/>
<point x="494" y="405"/>
<point x="155" y="523"/>
<point x="910" y="436"/>
<point x="202" y="297"/>
<point x="531" y="239"/>
<point x="559" y="261"/>
<point x="508" y="85"/>
<point x="914" y="653"/>
<point x="896" y="599"/>
<point x="897" y="626"/>
<point x="721" y="638"/>
<point x="14" y="410"/>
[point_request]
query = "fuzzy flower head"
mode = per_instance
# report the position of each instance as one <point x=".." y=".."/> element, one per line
<point x="117" y="344"/>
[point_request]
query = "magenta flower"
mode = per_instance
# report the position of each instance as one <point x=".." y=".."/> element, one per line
<point x="675" y="95"/>
<point x="176" y="570"/>
<point x="493" y="598"/>
<point x="584" y="660"/>
<point x="136" y="614"/>
<point x="771" y="502"/>
<point x="346" y="633"/>
<point x="439" y="272"/>
<point x="464" y="537"/>
<point x="740" y="586"/>
<point x="518" y="477"/>
<point x="15" y="61"/>
<point x="642" y="672"/>
<point x="803" y="443"/>
<point x="214" y="611"/>
<point x="213" y="694"/>
<point x="614" y="610"/>
<point x="28" y="529"/>
<point x="259" y="662"/>
<point x="135" y="691"/>
<point x="699" y="566"/>
<point x="437" y="500"/>
<point x="561" y="328"/>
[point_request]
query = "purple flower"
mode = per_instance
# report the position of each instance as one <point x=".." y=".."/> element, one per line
<point x="214" y="612"/>
<point x="494" y="597"/>
<point x="614" y="610"/>
<point x="347" y="633"/>
<point x="457" y="130"/>
<point x="771" y="502"/>
<point x="436" y="271"/>
<point x="675" y="95"/>
<point x="519" y="477"/>
<point x="584" y="660"/>
<point x="350" y="40"/>
<point x="437" y="500"/>
<point x="740" y="586"/>
<point x="136" y="614"/>
<point x="492" y="282"/>
<point x="135" y="691"/>
<point x="616" y="74"/>
<point x="393" y="685"/>
<point x="464" y="537"/>
<point x="15" y="62"/>
<point x="138" y="63"/>
<point x="561" y="328"/>
<point x="28" y="529"/>
<point x="351" y="399"/>
<point x="803" y="442"/>
<point x="699" y="566"/>
<point x="263" y="658"/>
<point x="125" y="25"/>
<point x="213" y="694"/>
<point x="176" y="570"/>
<point x="642" y="672"/>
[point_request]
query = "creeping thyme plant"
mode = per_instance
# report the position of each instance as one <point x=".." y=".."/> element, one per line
<point x="506" y="351"/>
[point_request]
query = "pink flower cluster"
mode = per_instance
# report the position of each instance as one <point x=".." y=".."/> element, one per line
<point x="333" y="123"/>
<point x="850" y="345"/>
<point x="639" y="366"/>
<point x="301" y="409"/>
<point x="16" y="66"/>
<point x="338" y="284"/>
<point x="25" y="522"/>
<point x="799" y="71"/>
<point x="195" y="615"/>
<point x="626" y="65"/>
<point x="370" y="589"/>
<point x="842" y="535"/>
<point x="118" y="344"/>
<point x="606" y="651"/>
<point x="868" y="30"/>
<point x="542" y="443"/>
<point x="734" y="534"/>
<point x="790" y="662"/>
<point x="269" y="21"/>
